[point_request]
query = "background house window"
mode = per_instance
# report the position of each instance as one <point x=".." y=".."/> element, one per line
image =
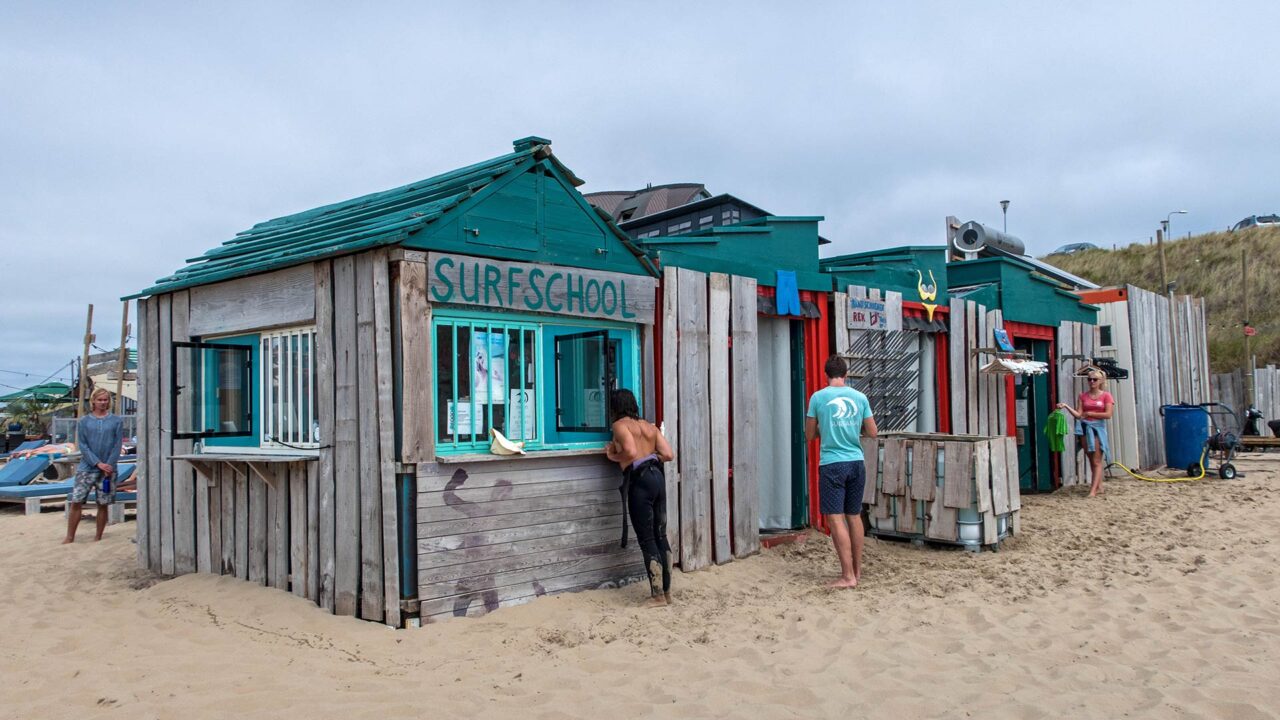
<point x="1104" y="335"/>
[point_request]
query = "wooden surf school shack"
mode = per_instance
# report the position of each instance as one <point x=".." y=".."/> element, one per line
<point x="317" y="396"/>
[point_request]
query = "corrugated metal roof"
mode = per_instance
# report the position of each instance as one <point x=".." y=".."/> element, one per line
<point x="382" y="218"/>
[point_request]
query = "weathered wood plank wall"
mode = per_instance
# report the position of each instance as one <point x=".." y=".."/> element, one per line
<point x="1151" y="373"/>
<point x="716" y="513"/>
<point x="292" y="525"/>
<point x="746" y="412"/>
<point x="671" y="402"/>
<point x="502" y="532"/>
<point x="1230" y="390"/>
<point x="718" y="387"/>
<point x="695" y="422"/>
<point x="326" y="465"/>
<point x="921" y="481"/>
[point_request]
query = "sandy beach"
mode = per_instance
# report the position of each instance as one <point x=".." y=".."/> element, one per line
<point x="1154" y="601"/>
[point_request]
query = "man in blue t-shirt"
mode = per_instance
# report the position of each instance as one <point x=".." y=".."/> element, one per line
<point x="839" y="416"/>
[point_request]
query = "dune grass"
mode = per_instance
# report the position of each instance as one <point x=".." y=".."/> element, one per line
<point x="1207" y="266"/>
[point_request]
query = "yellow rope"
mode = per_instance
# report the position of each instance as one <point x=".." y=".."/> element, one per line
<point x="1168" y="480"/>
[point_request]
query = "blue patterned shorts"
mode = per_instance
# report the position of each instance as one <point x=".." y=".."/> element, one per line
<point x="87" y="481"/>
<point x="840" y="487"/>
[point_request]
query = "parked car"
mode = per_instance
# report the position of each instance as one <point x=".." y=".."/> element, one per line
<point x="1256" y="221"/>
<point x="1072" y="248"/>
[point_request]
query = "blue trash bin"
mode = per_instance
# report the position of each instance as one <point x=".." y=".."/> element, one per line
<point x="1186" y="429"/>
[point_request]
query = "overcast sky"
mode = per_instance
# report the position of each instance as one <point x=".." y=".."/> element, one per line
<point x="136" y="135"/>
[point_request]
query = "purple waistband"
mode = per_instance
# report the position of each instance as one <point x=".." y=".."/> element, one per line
<point x="637" y="463"/>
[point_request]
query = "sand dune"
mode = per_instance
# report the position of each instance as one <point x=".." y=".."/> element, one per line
<point x="1154" y="601"/>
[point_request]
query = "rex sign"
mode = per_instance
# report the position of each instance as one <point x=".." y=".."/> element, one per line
<point x="531" y="287"/>
<point x="867" y="314"/>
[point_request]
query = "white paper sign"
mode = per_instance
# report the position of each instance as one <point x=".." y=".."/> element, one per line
<point x="593" y="413"/>
<point x="460" y="417"/>
<point x="529" y="430"/>
<point x="1021" y="413"/>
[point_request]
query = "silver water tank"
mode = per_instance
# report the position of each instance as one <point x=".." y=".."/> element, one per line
<point x="972" y="237"/>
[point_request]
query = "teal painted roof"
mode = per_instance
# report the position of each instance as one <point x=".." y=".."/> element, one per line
<point x="382" y="218"/>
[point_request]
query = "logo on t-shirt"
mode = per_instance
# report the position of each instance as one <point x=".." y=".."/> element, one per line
<point x="845" y="408"/>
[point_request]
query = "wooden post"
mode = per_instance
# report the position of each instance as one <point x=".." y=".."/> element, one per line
<point x="1173" y="335"/>
<point x="122" y="362"/>
<point x="1248" y="356"/>
<point x="718" y="393"/>
<point x="84" y="364"/>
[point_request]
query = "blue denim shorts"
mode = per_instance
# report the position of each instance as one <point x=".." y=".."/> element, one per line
<point x="840" y="487"/>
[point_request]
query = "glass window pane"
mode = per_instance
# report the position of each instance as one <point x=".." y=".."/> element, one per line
<point x="457" y="369"/>
<point x="580" y="382"/>
<point x="230" y="381"/>
<point x="521" y="395"/>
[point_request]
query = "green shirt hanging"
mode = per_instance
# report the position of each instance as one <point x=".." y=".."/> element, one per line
<point x="1056" y="428"/>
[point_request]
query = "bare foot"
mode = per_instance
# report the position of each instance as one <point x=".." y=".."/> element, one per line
<point x="68" y="541"/>
<point x="655" y="601"/>
<point x="667" y="597"/>
<point x="843" y="583"/>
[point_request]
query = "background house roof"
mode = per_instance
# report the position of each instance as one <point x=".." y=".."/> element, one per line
<point x="625" y="205"/>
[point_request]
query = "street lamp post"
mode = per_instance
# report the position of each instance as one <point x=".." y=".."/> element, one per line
<point x="1173" y="324"/>
<point x="1167" y="223"/>
<point x="1004" y="210"/>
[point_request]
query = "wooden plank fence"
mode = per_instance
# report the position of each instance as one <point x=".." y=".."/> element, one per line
<point x="713" y="485"/>
<point x="1151" y="373"/>
<point x="1076" y="346"/>
<point x="1230" y="390"/>
<point x="979" y="401"/>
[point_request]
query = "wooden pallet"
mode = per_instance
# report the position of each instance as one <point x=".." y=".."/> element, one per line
<point x="1254" y="442"/>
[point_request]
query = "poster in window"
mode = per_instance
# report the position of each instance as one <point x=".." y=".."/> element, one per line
<point x="593" y="412"/>
<point x="460" y="418"/>
<point x="489" y="366"/>
<point x="523" y="399"/>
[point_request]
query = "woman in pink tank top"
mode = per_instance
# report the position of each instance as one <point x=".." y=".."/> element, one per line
<point x="1092" y="410"/>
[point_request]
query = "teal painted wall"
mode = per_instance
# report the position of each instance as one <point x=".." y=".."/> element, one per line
<point x="1021" y="294"/>
<point x="534" y="216"/>
<point x="755" y="248"/>
<point x="896" y="269"/>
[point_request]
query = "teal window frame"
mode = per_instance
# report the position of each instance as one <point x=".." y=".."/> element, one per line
<point x="545" y="329"/>
<point x="209" y="385"/>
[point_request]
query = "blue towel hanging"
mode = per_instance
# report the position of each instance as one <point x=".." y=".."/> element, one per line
<point x="788" y="294"/>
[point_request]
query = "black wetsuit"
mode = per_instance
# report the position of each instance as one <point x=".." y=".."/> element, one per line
<point x="646" y="495"/>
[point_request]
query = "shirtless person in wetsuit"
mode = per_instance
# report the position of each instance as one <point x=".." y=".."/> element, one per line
<point x="639" y="449"/>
